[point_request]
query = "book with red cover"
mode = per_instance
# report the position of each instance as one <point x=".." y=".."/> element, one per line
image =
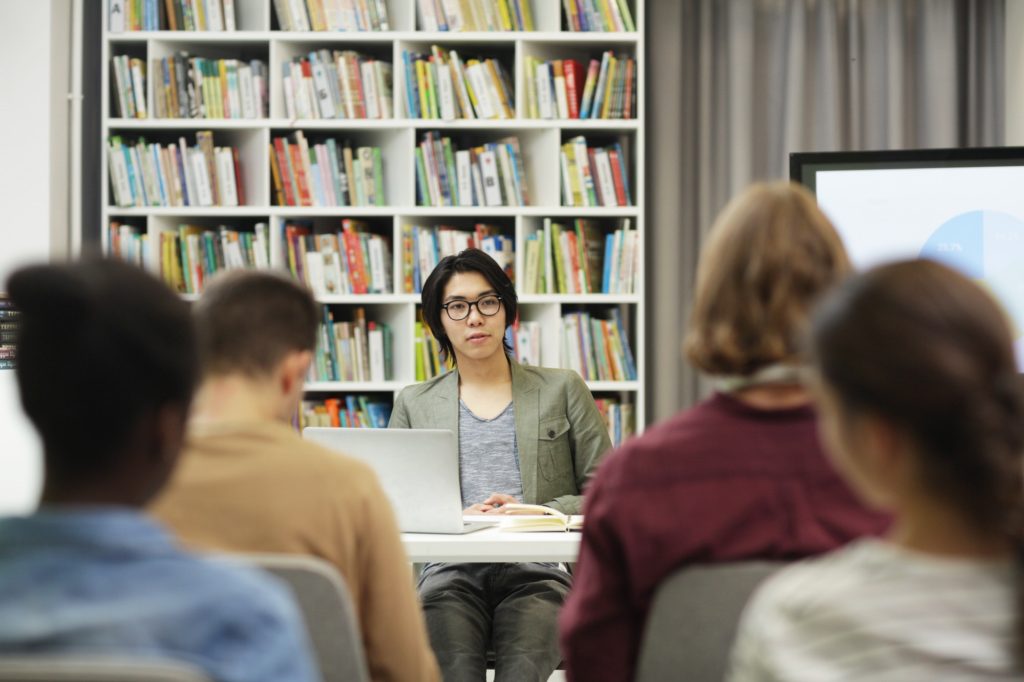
<point x="354" y="253"/>
<point x="295" y="237"/>
<point x="630" y="84"/>
<point x="573" y="71"/>
<point x="620" y="185"/>
<point x="574" y="262"/>
<point x="287" y="175"/>
<point x="355" y="84"/>
<point x="305" y="198"/>
<point x="333" y="406"/>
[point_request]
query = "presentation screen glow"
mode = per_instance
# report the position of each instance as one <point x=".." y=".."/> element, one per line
<point x="971" y="218"/>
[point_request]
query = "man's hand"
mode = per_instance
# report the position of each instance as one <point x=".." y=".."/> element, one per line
<point x="492" y="505"/>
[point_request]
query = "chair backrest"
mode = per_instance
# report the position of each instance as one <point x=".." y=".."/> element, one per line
<point x="61" y="668"/>
<point x="327" y="611"/>
<point x="693" y="620"/>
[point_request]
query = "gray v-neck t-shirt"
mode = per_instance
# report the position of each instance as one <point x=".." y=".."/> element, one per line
<point x="488" y="456"/>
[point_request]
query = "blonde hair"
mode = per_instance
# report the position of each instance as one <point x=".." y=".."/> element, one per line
<point x="770" y="254"/>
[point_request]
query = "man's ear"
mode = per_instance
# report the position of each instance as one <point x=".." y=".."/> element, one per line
<point x="293" y="369"/>
<point x="169" y="432"/>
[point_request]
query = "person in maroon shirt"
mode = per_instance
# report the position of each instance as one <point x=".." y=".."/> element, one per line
<point x="739" y="476"/>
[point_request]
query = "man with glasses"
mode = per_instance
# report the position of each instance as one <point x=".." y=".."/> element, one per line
<point x="525" y="434"/>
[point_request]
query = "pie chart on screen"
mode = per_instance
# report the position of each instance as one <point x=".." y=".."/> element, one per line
<point x="987" y="246"/>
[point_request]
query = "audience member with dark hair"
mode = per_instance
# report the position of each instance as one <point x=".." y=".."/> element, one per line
<point x="249" y="483"/>
<point x="740" y="475"/>
<point x="525" y="433"/>
<point x="922" y="411"/>
<point x="106" y="367"/>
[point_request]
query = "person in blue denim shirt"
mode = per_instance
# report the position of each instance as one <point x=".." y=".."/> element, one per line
<point x="106" y="367"/>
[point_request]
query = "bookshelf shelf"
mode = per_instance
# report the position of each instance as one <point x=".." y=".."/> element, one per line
<point x="369" y="299"/>
<point x="540" y="140"/>
<point x="581" y="299"/>
<point x="497" y="37"/>
<point x="612" y="386"/>
<point x="354" y="386"/>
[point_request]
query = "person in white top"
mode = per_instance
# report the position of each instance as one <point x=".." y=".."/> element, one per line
<point x="922" y="412"/>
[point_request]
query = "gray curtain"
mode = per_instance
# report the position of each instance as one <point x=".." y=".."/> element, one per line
<point x="734" y="86"/>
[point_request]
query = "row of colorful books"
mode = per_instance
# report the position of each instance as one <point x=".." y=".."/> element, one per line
<point x="192" y="254"/>
<point x="362" y="411"/>
<point x="594" y="176"/>
<point x="352" y="350"/>
<point x="597" y="348"/>
<point x="365" y="15"/>
<point x="130" y="86"/>
<point x="491" y="174"/>
<point x="332" y="15"/>
<point x="354" y="411"/>
<point x="556" y="89"/>
<point x="424" y="246"/>
<point x="144" y="174"/>
<point x="328" y="173"/>
<point x="197" y="87"/>
<point x="128" y="243"/>
<point x="476" y="15"/>
<point x="338" y="84"/>
<point x="10" y="318"/>
<point x="442" y="85"/>
<point x="171" y="15"/>
<point x="351" y="261"/>
<point x="619" y="417"/>
<point x="348" y="85"/>
<point x="581" y="259"/>
<point x="598" y="15"/>
<point x="427" y="349"/>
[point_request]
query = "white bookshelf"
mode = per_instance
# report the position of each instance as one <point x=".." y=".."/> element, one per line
<point x="540" y="141"/>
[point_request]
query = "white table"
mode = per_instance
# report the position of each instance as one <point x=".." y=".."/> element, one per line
<point x="492" y="545"/>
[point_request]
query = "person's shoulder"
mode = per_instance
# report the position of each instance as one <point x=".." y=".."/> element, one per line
<point x="225" y="587"/>
<point x="424" y="388"/>
<point x="553" y="377"/>
<point x="242" y="616"/>
<point x="691" y="425"/>
<point x="336" y="467"/>
<point x="813" y="585"/>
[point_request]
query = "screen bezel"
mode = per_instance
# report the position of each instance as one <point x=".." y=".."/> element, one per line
<point x="804" y="166"/>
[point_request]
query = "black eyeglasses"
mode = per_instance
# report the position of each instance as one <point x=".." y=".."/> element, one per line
<point x="488" y="306"/>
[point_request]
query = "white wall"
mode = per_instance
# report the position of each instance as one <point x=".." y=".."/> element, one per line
<point x="34" y="68"/>
<point x="1014" y="73"/>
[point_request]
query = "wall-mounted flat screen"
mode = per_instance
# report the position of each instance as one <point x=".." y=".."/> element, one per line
<point x="963" y="207"/>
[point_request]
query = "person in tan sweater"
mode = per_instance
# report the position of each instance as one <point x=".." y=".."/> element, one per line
<point x="247" y="481"/>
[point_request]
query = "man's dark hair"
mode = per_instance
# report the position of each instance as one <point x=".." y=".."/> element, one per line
<point x="248" y="321"/>
<point x="101" y="346"/>
<point x="470" y="260"/>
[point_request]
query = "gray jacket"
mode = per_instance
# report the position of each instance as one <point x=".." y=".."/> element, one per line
<point x="559" y="432"/>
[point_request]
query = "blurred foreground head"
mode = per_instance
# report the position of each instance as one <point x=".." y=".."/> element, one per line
<point x="768" y="258"/>
<point x="106" y="366"/>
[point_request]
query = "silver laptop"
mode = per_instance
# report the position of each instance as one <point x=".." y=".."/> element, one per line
<point x="418" y="468"/>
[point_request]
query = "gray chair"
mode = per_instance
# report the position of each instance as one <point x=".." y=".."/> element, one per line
<point x="77" y="668"/>
<point x="327" y="611"/>
<point x="693" y="620"/>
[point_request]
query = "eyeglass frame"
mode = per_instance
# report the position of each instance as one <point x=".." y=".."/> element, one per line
<point x="470" y="305"/>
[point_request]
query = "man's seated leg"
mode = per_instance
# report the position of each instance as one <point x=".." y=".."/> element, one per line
<point x="526" y="621"/>
<point x="458" y="616"/>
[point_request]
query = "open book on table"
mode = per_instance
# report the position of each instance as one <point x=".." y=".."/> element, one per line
<point x="530" y="518"/>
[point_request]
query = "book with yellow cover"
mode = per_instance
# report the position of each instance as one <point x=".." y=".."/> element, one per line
<point x="536" y="518"/>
